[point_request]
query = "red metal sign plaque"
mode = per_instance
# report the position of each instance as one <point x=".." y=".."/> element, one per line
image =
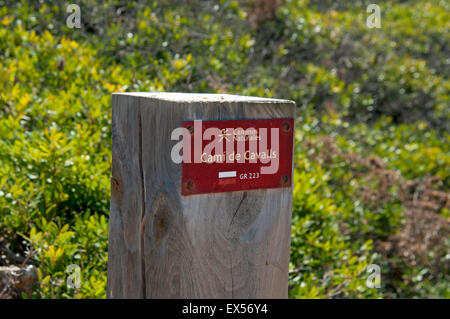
<point x="236" y="155"/>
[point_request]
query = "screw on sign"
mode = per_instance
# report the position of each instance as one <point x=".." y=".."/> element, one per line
<point x="217" y="169"/>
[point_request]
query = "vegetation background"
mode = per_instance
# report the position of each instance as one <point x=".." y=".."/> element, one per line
<point x="372" y="166"/>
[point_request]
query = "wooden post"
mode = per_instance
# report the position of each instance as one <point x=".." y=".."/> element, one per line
<point x="166" y="245"/>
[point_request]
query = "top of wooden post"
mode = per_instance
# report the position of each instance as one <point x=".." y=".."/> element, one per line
<point x="202" y="97"/>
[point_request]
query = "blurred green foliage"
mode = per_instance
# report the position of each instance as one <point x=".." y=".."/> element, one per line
<point x="373" y="119"/>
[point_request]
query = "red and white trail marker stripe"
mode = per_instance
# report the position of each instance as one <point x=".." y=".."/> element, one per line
<point x="227" y="174"/>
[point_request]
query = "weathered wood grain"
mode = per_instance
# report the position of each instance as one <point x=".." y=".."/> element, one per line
<point x="164" y="245"/>
<point x="127" y="200"/>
